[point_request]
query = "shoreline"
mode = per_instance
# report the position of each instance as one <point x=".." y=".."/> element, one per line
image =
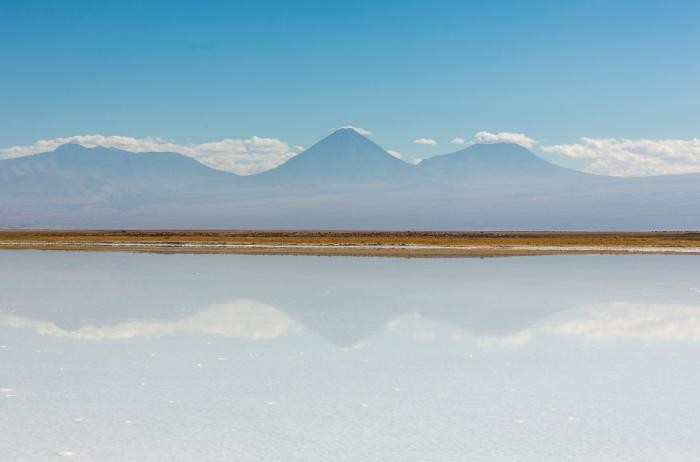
<point x="358" y="243"/>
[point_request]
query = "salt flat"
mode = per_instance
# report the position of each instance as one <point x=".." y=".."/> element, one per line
<point x="123" y="356"/>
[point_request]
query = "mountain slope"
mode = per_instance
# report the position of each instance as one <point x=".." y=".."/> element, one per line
<point x="74" y="171"/>
<point x="501" y="160"/>
<point x="345" y="181"/>
<point x="342" y="156"/>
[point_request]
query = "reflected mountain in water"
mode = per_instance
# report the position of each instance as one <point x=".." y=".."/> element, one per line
<point x="346" y="300"/>
<point x="254" y="321"/>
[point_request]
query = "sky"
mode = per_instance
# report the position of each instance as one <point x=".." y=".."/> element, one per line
<point x="610" y="87"/>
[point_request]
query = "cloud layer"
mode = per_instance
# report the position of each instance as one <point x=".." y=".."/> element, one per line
<point x="606" y="156"/>
<point x="241" y="156"/>
<point x="623" y="157"/>
<point x="240" y="318"/>
<point x="613" y="156"/>
<point x="504" y="137"/>
<point x="633" y="321"/>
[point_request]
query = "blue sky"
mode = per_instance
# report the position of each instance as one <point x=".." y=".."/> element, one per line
<point x="192" y="72"/>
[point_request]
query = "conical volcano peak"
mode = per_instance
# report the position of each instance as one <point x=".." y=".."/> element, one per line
<point x="346" y="154"/>
<point x="344" y="130"/>
<point x="349" y="129"/>
<point x="345" y="142"/>
<point x="346" y="135"/>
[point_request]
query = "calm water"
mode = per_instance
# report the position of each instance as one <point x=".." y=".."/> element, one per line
<point x="145" y="357"/>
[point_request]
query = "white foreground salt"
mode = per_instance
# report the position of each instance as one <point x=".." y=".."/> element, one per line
<point x="145" y="357"/>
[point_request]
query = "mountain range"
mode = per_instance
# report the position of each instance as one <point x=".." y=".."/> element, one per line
<point x="344" y="181"/>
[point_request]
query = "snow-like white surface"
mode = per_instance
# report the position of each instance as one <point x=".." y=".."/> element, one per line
<point x="529" y="359"/>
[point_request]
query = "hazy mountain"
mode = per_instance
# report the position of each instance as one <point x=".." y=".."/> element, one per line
<point x="76" y="171"/>
<point x="343" y="181"/>
<point x="343" y="156"/>
<point x="492" y="161"/>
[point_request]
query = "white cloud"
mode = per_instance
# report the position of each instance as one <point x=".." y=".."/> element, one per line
<point x="396" y="154"/>
<point x="633" y="321"/>
<point x="458" y="140"/>
<point x="241" y="318"/>
<point x="624" y="157"/>
<point x="242" y="156"/>
<point x="504" y="137"/>
<point x="425" y="141"/>
<point x="417" y="161"/>
<point x="359" y="130"/>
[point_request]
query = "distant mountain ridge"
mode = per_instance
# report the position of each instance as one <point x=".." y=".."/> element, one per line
<point x="111" y="161"/>
<point x="76" y="170"/>
<point x="344" y="181"/>
<point x="498" y="159"/>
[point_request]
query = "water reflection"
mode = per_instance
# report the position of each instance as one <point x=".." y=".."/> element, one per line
<point x="131" y="357"/>
<point x="254" y="320"/>
<point x="240" y="318"/>
<point x="631" y="321"/>
<point x="498" y="302"/>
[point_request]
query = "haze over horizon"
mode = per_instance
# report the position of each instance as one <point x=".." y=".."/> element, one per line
<point x="126" y="144"/>
<point x="344" y="181"/>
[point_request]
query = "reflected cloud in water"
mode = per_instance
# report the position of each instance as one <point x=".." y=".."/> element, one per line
<point x="240" y="318"/>
<point x="631" y="321"/>
<point x="255" y="320"/>
<point x="426" y="359"/>
<point x="493" y="303"/>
